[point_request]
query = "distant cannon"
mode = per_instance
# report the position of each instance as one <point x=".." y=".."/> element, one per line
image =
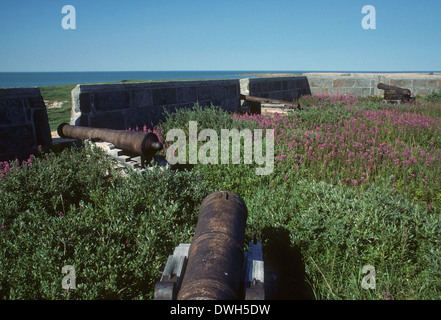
<point x="214" y="266"/>
<point x="145" y="144"/>
<point x="394" y="94"/>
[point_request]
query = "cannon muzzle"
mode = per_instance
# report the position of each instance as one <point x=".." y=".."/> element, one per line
<point x="140" y="143"/>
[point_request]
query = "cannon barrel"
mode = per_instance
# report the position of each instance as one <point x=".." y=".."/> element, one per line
<point x="216" y="253"/>
<point x="140" y="143"/>
<point x="403" y="92"/>
<point x="269" y="100"/>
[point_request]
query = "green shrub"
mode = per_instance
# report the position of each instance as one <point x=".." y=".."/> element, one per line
<point x="338" y="230"/>
<point x="434" y="96"/>
<point x="207" y="117"/>
<point x="73" y="209"/>
<point x="317" y="231"/>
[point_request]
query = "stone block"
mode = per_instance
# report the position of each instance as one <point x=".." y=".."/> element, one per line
<point x="284" y="85"/>
<point x="315" y="83"/>
<point x="402" y="83"/>
<point x="271" y="86"/>
<point x="292" y="84"/>
<point x="186" y="94"/>
<point x="283" y="88"/>
<point x="244" y="86"/>
<point x="234" y="90"/>
<point x="264" y="87"/>
<point x="164" y="96"/>
<point x="12" y="112"/>
<point x="279" y="95"/>
<point x="16" y="141"/>
<point x="432" y="83"/>
<point x="138" y="118"/>
<point x="255" y="87"/>
<point x="204" y="92"/>
<point x="85" y="102"/>
<point x="363" y="83"/>
<point x="343" y="83"/>
<point x="221" y="92"/>
<point x="420" y="83"/>
<point x="316" y="90"/>
<point x="24" y="124"/>
<point x="230" y="104"/>
<point x="110" y="100"/>
<point x="294" y="93"/>
<point x="110" y="119"/>
<point x="364" y="92"/>
<point x="40" y="122"/>
<point x="141" y="98"/>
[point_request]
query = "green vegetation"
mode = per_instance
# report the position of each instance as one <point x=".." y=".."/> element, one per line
<point x="60" y="94"/>
<point x="74" y="209"/>
<point x="435" y="96"/>
<point x="355" y="183"/>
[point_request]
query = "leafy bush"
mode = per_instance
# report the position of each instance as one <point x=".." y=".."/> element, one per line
<point x="338" y="230"/>
<point x="434" y="96"/>
<point x="207" y="117"/>
<point x="355" y="183"/>
<point x="74" y="209"/>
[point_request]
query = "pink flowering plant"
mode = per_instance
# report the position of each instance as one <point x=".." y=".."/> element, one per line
<point x="361" y="147"/>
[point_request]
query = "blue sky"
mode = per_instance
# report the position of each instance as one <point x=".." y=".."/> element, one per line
<point x="284" y="35"/>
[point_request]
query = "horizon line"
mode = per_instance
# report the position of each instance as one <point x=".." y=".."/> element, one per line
<point x="247" y="71"/>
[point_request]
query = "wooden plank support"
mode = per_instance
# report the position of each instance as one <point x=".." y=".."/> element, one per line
<point x="255" y="272"/>
<point x="168" y="287"/>
<point x="290" y="104"/>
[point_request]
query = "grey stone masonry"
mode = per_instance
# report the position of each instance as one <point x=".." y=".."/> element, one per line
<point x="123" y="106"/>
<point x="365" y="84"/>
<point x="24" y="123"/>
<point x="280" y="88"/>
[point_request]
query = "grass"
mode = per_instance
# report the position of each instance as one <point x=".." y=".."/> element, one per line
<point x="355" y="183"/>
<point x="58" y="93"/>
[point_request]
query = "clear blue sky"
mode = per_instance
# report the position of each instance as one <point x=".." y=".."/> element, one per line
<point x="285" y="35"/>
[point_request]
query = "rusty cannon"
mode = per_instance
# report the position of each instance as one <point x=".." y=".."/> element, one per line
<point x="145" y="144"/>
<point x="214" y="266"/>
<point x="394" y="94"/>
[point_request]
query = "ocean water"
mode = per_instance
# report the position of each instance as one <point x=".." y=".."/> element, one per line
<point x="39" y="79"/>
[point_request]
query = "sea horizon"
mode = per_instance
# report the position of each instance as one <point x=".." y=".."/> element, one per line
<point x="51" y="78"/>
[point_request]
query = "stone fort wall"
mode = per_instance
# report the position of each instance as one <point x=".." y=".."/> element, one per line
<point x="24" y="123"/>
<point x="365" y="84"/>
